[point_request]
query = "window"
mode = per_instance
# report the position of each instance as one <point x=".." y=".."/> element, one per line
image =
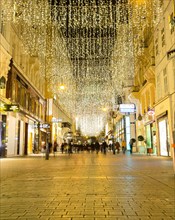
<point x="163" y="36"/>
<point x="2" y="25"/>
<point x="158" y="86"/>
<point x="156" y="47"/>
<point x="165" y="81"/>
<point x="172" y="22"/>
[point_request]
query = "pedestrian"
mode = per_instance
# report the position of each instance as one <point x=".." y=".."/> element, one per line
<point x="123" y="146"/>
<point x="70" y="147"/>
<point x="113" y="148"/>
<point x="104" y="146"/>
<point x="50" y="147"/>
<point x="62" y="147"/>
<point x="117" y="144"/>
<point x="97" y="146"/>
<point x="55" y="145"/>
<point x="131" y="142"/>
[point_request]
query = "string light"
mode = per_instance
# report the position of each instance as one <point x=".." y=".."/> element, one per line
<point x="88" y="46"/>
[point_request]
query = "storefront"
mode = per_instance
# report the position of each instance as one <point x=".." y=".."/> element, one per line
<point x="22" y="133"/>
<point x="163" y="124"/>
<point x="150" y="132"/>
<point x="124" y="129"/>
<point x="164" y="136"/>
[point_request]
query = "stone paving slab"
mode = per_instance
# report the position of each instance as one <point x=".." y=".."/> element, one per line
<point x="87" y="186"/>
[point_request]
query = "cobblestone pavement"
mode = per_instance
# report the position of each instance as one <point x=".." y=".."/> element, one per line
<point x="89" y="186"/>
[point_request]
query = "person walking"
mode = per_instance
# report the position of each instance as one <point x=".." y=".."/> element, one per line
<point x="55" y="145"/>
<point x="97" y="146"/>
<point x="62" y="147"/>
<point x="131" y="142"/>
<point x="104" y="147"/>
<point x="117" y="144"/>
<point x="113" y="148"/>
<point x="123" y="146"/>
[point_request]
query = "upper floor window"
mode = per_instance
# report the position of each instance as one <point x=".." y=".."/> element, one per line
<point x="2" y="25"/>
<point x="158" y="86"/>
<point x="172" y="22"/>
<point x="163" y="36"/>
<point x="165" y="80"/>
<point x="156" y="47"/>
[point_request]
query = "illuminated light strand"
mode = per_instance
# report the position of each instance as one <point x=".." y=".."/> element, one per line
<point x="92" y="53"/>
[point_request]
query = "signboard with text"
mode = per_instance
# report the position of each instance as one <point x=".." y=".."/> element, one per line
<point x="127" y="108"/>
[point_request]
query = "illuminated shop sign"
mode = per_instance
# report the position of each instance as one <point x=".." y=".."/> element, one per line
<point x="127" y="108"/>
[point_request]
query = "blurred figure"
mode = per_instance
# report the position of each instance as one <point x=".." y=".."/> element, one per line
<point x="113" y="148"/>
<point x="97" y="146"/>
<point x="50" y="147"/>
<point x="55" y="145"/>
<point x="123" y="146"/>
<point x="104" y="146"/>
<point x="131" y="142"/>
<point x="117" y="144"/>
<point x="62" y="147"/>
<point x="70" y="147"/>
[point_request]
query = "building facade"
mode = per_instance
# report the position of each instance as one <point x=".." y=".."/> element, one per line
<point x="25" y="107"/>
<point x="164" y="37"/>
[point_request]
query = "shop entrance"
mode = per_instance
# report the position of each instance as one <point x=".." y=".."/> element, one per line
<point x="164" y="137"/>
